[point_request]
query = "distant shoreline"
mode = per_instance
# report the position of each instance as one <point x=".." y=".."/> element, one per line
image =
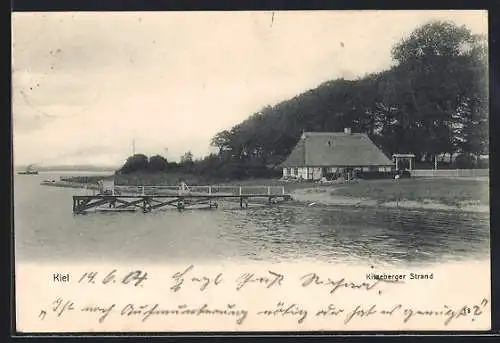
<point x="68" y="169"/>
<point x="109" y="172"/>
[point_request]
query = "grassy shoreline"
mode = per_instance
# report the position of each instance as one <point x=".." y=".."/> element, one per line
<point x="451" y="194"/>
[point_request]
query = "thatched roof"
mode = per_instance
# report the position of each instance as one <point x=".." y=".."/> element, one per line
<point x="334" y="149"/>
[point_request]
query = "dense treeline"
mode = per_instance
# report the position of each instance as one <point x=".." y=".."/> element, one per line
<point x="140" y="162"/>
<point x="433" y="101"/>
<point x="212" y="167"/>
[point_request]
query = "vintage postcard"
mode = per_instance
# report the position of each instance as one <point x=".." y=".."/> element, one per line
<point x="251" y="171"/>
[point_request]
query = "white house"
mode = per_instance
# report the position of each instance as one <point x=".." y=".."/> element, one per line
<point x="320" y="153"/>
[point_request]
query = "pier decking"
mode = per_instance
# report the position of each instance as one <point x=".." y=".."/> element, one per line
<point x="149" y="198"/>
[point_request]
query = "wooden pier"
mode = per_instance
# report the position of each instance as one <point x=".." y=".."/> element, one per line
<point x="149" y="198"/>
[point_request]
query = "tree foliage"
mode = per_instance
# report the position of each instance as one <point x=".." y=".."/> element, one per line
<point x="187" y="158"/>
<point x="158" y="163"/>
<point x="432" y="101"/>
<point x="134" y="163"/>
<point x="141" y="163"/>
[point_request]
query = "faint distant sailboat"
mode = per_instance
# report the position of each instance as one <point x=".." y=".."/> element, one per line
<point x="29" y="171"/>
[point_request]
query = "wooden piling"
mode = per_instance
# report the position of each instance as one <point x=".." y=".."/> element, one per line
<point x="180" y="204"/>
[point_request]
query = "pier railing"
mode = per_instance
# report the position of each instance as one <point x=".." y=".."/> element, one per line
<point x="210" y="190"/>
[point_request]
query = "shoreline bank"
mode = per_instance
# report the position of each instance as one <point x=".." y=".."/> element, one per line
<point x="300" y="196"/>
<point x="323" y="197"/>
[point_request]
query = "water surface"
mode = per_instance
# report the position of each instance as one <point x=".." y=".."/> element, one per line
<point x="46" y="229"/>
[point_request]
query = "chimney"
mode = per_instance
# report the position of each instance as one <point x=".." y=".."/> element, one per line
<point x="347" y="130"/>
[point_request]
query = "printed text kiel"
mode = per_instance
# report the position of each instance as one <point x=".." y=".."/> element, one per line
<point x="58" y="277"/>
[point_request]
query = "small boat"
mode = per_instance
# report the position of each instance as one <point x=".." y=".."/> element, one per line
<point x="29" y="171"/>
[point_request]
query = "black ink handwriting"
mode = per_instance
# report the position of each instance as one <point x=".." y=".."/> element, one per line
<point x="268" y="281"/>
<point x="450" y="314"/>
<point x="42" y="314"/>
<point x="204" y="281"/>
<point x="59" y="306"/>
<point x="135" y="278"/>
<point x="146" y="311"/>
<point x="331" y="310"/>
<point x="313" y="278"/>
<point x="104" y="310"/>
<point x="179" y="278"/>
<point x="286" y="310"/>
<point x="360" y="312"/>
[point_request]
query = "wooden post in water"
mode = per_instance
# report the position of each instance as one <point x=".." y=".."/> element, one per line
<point x="180" y="204"/>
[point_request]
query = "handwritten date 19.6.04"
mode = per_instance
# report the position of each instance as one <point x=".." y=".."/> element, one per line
<point x="135" y="278"/>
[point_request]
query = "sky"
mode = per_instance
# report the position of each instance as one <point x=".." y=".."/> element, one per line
<point x="85" y="85"/>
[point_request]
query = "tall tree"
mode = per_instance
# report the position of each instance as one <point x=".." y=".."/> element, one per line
<point x="436" y="65"/>
<point x="222" y="140"/>
<point x="187" y="157"/>
<point x="137" y="162"/>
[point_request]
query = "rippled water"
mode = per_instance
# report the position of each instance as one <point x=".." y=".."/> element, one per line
<point x="46" y="229"/>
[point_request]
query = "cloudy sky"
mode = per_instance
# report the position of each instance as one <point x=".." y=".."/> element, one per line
<point x="85" y="85"/>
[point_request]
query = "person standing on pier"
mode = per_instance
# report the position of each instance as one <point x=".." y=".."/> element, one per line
<point x="183" y="188"/>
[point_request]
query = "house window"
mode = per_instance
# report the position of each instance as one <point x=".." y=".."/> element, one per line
<point x="296" y="171"/>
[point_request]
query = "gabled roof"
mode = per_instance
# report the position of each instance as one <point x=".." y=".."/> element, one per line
<point x="322" y="149"/>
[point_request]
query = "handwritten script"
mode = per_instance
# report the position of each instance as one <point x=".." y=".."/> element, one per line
<point x="144" y="312"/>
<point x="248" y="298"/>
<point x="190" y="294"/>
